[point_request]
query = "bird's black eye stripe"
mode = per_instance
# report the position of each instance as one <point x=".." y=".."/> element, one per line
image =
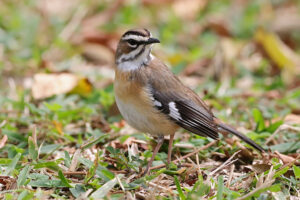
<point x="132" y="42"/>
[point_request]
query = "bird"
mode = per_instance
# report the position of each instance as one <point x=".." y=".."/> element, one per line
<point x="153" y="100"/>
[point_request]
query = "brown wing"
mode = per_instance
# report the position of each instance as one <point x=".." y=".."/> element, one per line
<point x="180" y="103"/>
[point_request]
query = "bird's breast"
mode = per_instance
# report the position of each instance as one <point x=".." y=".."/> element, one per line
<point x="134" y="102"/>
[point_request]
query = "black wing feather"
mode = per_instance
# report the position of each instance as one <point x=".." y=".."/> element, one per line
<point x="193" y="117"/>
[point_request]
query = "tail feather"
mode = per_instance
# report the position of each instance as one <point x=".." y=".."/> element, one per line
<point x="241" y="136"/>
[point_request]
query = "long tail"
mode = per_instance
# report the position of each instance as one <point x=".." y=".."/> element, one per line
<point x="227" y="128"/>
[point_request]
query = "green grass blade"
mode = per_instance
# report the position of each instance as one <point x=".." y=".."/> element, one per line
<point x="220" y="188"/>
<point x="13" y="164"/>
<point x="23" y="175"/>
<point x="180" y="192"/>
<point x="63" y="179"/>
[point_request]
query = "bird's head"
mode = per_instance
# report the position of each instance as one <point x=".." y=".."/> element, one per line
<point x="135" y="46"/>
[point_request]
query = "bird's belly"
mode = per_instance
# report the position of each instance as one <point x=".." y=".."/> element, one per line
<point x="133" y="116"/>
<point x="145" y="120"/>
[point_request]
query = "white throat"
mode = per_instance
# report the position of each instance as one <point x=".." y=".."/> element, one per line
<point x="136" y="63"/>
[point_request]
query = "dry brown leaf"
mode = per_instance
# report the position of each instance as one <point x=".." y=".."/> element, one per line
<point x="286" y="19"/>
<point x="74" y="161"/>
<point x="260" y="168"/>
<point x="285" y="159"/>
<point x="219" y="25"/>
<point x="47" y="85"/>
<point x="57" y="7"/>
<point x="196" y="68"/>
<point x="191" y="81"/>
<point x="98" y="54"/>
<point x="98" y="122"/>
<point x="292" y="119"/>
<point x="188" y="9"/>
<point x="7" y="183"/>
<point x="231" y="48"/>
<point x="109" y="40"/>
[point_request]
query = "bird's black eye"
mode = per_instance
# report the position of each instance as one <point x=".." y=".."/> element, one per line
<point x="132" y="42"/>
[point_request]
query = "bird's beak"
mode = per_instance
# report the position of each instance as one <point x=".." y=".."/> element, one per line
<point x="152" y="40"/>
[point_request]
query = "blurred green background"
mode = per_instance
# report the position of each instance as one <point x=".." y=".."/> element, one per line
<point x="57" y="69"/>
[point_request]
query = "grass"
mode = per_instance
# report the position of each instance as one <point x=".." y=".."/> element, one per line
<point x="76" y="145"/>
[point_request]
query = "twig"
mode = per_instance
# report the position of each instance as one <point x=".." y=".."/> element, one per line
<point x="230" y="175"/>
<point x="198" y="164"/>
<point x="187" y="155"/>
<point x="187" y="146"/>
<point x="74" y="173"/>
<point x="227" y="162"/>
<point x="186" y="165"/>
<point x="118" y="171"/>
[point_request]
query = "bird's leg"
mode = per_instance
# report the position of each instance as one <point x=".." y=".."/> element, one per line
<point x="160" y="141"/>
<point x="170" y="148"/>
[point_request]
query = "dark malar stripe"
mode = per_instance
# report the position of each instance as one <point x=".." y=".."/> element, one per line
<point x="134" y="57"/>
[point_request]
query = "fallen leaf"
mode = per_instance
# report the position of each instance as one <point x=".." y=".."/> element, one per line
<point x="57" y="8"/>
<point x="286" y="20"/>
<point x="188" y="9"/>
<point x="231" y="48"/>
<point x="98" y="122"/>
<point x="219" y="25"/>
<point x="292" y="119"/>
<point x="83" y="87"/>
<point x="58" y="127"/>
<point x="260" y="168"/>
<point x="109" y="40"/>
<point x="74" y="162"/>
<point x="47" y="85"/>
<point x="285" y="159"/>
<point x="196" y="68"/>
<point x="98" y="54"/>
<point x="8" y="182"/>
<point x="284" y="57"/>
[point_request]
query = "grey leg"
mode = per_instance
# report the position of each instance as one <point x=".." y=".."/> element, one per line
<point x="160" y="141"/>
<point x="170" y="148"/>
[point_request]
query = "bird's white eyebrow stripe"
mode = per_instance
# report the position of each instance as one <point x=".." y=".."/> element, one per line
<point x="134" y="37"/>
